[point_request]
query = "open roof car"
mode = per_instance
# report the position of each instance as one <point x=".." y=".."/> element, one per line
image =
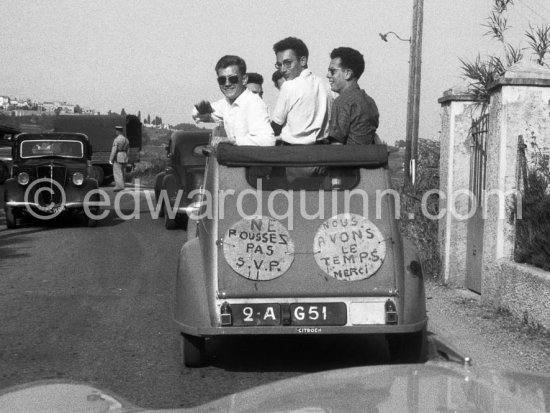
<point x="50" y="177"/>
<point x="184" y="173"/>
<point x="299" y="240"/>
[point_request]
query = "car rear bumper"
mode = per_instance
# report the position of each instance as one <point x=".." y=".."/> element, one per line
<point x="297" y="330"/>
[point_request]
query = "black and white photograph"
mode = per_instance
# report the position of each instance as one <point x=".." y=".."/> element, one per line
<point x="275" y="206"/>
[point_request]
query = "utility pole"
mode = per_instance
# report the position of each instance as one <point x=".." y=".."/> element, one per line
<point x="413" y="99"/>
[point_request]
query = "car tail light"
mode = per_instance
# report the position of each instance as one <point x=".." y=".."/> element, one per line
<point x="225" y="314"/>
<point x="78" y="178"/>
<point x="23" y="178"/>
<point x="391" y="312"/>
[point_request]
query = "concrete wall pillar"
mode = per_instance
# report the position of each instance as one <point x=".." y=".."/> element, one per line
<point x="458" y="110"/>
<point x="519" y="105"/>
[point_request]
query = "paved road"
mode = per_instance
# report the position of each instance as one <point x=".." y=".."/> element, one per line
<point x="95" y="305"/>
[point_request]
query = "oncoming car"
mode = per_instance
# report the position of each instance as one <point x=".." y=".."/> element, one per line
<point x="298" y="240"/>
<point x="50" y="177"/>
<point x="184" y="173"/>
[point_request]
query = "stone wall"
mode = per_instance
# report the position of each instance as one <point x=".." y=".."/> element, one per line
<point x="519" y="106"/>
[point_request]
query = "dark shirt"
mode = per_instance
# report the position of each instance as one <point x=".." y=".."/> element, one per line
<point x="354" y="117"/>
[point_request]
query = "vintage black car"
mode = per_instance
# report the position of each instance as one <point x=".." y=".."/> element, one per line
<point x="184" y="173"/>
<point x="50" y="177"/>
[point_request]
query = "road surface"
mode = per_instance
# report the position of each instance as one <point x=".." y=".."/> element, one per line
<point x="95" y="305"/>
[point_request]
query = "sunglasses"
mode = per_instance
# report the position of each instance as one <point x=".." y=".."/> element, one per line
<point x="233" y="79"/>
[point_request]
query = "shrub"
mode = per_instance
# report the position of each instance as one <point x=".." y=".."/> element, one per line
<point x="421" y="230"/>
<point x="533" y="229"/>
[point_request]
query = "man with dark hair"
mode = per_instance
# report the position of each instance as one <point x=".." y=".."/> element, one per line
<point x="244" y="114"/>
<point x="301" y="113"/>
<point x="354" y="116"/>
<point x="255" y="82"/>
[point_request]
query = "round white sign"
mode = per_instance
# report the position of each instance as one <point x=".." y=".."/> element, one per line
<point x="349" y="247"/>
<point x="259" y="248"/>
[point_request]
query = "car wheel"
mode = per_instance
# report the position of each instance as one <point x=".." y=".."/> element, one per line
<point x="169" y="223"/>
<point x="10" y="218"/>
<point x="97" y="173"/>
<point x="193" y="350"/>
<point x="408" y="347"/>
<point x="4" y="172"/>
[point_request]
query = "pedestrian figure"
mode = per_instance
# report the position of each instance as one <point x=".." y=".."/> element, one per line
<point x="119" y="158"/>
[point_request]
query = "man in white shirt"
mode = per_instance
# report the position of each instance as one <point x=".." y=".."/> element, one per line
<point x="244" y="114"/>
<point x="301" y="114"/>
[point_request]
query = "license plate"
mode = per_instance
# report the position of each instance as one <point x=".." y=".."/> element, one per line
<point x="318" y="314"/>
<point x="256" y="314"/>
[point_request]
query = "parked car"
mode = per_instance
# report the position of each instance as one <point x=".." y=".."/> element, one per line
<point x="50" y="177"/>
<point x="184" y="173"/>
<point x="7" y="139"/>
<point x="296" y="240"/>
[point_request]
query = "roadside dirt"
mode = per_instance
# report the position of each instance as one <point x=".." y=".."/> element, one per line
<point x="490" y="338"/>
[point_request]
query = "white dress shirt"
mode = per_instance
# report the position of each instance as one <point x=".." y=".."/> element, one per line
<point x="246" y="119"/>
<point x="303" y="109"/>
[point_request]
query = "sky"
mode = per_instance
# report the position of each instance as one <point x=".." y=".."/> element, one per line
<point x="158" y="57"/>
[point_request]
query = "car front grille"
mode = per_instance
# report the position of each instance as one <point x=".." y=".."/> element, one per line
<point x="58" y="173"/>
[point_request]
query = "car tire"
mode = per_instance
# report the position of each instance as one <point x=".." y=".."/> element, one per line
<point x="169" y="223"/>
<point x="11" y="221"/>
<point x="97" y="173"/>
<point x="193" y="350"/>
<point x="4" y="172"/>
<point x="408" y="347"/>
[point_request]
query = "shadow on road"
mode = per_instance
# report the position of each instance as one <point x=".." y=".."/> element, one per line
<point x="297" y="353"/>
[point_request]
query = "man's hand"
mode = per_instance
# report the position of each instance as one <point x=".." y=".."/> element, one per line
<point x="206" y="117"/>
<point x="110" y="162"/>
<point x="216" y="140"/>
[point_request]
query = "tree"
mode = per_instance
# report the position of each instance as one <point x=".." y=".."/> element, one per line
<point x="481" y="72"/>
<point x="148" y="118"/>
<point x="400" y="143"/>
<point x="139" y="114"/>
<point x="123" y="112"/>
<point x="77" y="109"/>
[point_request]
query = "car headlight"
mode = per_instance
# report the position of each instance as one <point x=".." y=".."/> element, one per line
<point x="78" y="178"/>
<point x="23" y="178"/>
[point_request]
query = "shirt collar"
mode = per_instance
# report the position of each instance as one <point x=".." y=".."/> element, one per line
<point x="242" y="98"/>
<point x="305" y="73"/>
<point x="353" y="88"/>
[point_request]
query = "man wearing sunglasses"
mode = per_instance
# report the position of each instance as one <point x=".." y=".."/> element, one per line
<point x="302" y="110"/>
<point x="354" y="116"/>
<point x="244" y="114"/>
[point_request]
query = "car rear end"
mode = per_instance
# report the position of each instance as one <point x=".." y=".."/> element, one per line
<point x="301" y="243"/>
